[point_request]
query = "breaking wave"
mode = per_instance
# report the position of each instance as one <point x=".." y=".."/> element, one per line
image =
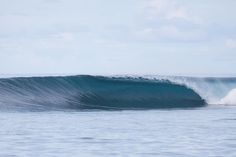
<point x="94" y="92"/>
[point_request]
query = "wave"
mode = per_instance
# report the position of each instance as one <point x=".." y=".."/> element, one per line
<point x="95" y="92"/>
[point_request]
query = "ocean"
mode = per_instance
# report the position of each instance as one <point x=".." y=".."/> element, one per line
<point x="117" y="116"/>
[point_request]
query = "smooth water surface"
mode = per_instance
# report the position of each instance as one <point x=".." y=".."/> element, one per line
<point x="208" y="131"/>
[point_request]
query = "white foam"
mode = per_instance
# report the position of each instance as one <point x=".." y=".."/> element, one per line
<point x="230" y="98"/>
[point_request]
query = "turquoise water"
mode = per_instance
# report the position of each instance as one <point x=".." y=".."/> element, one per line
<point x="85" y="92"/>
<point x="208" y="131"/>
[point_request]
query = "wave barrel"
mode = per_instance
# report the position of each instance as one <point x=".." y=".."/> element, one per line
<point x="94" y="92"/>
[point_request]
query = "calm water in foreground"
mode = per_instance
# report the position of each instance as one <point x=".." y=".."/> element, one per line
<point x="203" y="132"/>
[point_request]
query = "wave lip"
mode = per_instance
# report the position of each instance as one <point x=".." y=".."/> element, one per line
<point x="94" y="92"/>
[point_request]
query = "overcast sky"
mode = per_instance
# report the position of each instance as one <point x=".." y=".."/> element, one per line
<point x="166" y="37"/>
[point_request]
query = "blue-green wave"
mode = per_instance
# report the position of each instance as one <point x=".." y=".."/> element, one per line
<point x="94" y="92"/>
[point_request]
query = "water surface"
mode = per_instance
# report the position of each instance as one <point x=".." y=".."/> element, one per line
<point x="208" y="131"/>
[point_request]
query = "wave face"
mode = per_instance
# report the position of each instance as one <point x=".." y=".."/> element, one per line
<point x="94" y="92"/>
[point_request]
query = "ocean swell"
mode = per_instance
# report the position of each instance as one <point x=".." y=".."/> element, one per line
<point x="94" y="92"/>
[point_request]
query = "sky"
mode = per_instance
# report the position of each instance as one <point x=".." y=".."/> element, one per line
<point x="114" y="37"/>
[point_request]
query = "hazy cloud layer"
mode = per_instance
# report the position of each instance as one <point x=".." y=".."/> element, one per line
<point x="118" y="37"/>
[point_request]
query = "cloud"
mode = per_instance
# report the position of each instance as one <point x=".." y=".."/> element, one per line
<point x="90" y="36"/>
<point x="157" y="6"/>
<point x="171" y="33"/>
<point x="179" y="12"/>
<point x="51" y="1"/>
<point x="165" y="9"/>
<point x="170" y="10"/>
<point x="66" y="36"/>
<point x="171" y="21"/>
<point x="230" y="43"/>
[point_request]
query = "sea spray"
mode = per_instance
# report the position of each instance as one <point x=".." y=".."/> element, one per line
<point x="230" y="98"/>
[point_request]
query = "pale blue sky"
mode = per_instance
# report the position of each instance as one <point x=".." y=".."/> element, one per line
<point x="166" y="37"/>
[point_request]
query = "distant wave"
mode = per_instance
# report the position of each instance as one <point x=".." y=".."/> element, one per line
<point x="95" y="92"/>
